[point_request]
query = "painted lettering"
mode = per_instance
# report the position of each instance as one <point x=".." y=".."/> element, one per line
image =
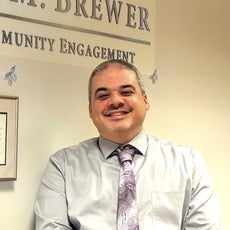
<point x="27" y="40"/>
<point x="6" y="38"/>
<point x="95" y="8"/>
<point x="80" y="7"/>
<point x="60" y="7"/>
<point x="74" y="48"/>
<point x="80" y="49"/>
<point x="63" y="45"/>
<point x="144" y="14"/>
<point x="108" y="10"/>
<point x="113" y="10"/>
<point x="131" y="10"/>
<point x="30" y="3"/>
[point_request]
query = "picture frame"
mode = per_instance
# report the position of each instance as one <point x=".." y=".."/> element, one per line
<point x="8" y="137"/>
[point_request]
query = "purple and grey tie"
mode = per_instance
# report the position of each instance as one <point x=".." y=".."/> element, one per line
<point x="127" y="216"/>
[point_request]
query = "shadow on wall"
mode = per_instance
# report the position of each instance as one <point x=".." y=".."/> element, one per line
<point x="32" y="222"/>
<point x="7" y="187"/>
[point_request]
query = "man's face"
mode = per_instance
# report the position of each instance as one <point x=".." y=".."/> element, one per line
<point x="117" y="106"/>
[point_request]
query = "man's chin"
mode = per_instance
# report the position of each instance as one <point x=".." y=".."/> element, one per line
<point x="120" y="129"/>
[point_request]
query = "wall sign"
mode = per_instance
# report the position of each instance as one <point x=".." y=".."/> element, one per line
<point x="78" y="31"/>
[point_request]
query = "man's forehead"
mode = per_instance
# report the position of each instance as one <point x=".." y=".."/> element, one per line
<point x="113" y="78"/>
<point x="112" y="84"/>
<point x="120" y="87"/>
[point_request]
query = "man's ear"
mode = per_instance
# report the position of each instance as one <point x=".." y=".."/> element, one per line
<point x="146" y="102"/>
<point x="90" y="110"/>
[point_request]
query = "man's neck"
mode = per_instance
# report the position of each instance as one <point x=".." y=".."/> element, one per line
<point x="122" y="138"/>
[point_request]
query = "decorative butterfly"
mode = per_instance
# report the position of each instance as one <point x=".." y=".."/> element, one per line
<point x="154" y="76"/>
<point x="11" y="76"/>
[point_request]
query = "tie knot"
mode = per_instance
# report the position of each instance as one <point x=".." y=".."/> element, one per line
<point x="125" y="153"/>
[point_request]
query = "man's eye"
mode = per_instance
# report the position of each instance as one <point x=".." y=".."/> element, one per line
<point x="102" y="96"/>
<point x="127" y="93"/>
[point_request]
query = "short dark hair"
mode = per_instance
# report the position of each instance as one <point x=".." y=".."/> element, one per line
<point x="119" y="63"/>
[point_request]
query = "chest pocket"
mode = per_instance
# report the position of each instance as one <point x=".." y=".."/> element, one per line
<point x="167" y="210"/>
<point x="161" y="210"/>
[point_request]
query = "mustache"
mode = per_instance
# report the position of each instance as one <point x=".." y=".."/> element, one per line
<point x="112" y="111"/>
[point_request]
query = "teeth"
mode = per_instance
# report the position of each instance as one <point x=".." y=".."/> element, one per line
<point x="116" y="114"/>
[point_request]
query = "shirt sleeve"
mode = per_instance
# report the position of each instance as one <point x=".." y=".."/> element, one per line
<point x="204" y="210"/>
<point x="51" y="205"/>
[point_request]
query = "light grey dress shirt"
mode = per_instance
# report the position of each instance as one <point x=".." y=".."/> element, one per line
<point x="80" y="186"/>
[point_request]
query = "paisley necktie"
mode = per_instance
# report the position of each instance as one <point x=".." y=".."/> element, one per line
<point x="127" y="217"/>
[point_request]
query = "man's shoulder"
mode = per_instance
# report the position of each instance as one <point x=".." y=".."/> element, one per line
<point x="170" y="153"/>
<point x="172" y="147"/>
<point x="81" y="147"/>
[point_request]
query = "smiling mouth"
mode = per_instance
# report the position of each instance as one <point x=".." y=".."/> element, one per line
<point x="117" y="113"/>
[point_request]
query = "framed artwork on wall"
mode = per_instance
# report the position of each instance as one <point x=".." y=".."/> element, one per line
<point x="8" y="137"/>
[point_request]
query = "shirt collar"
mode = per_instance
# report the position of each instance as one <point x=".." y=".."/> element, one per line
<point x="139" y="142"/>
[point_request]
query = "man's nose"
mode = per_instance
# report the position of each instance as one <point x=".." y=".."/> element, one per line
<point x="116" y="100"/>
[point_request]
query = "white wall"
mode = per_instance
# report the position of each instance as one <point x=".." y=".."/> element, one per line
<point x="52" y="114"/>
<point x="189" y="102"/>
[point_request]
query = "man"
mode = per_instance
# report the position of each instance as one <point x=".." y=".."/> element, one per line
<point x="79" y="189"/>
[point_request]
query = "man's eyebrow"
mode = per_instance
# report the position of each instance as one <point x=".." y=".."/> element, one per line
<point x="128" y="86"/>
<point x="101" y="89"/>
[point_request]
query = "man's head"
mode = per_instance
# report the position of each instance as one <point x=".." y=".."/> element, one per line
<point x="117" y="100"/>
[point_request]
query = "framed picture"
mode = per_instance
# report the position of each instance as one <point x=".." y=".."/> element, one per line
<point x="8" y="137"/>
